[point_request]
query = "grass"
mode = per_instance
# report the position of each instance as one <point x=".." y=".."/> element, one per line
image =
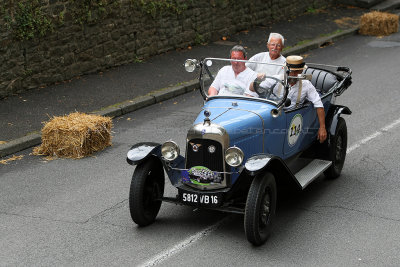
<point x="331" y="33"/>
<point x="311" y="10"/>
<point x="297" y="44"/>
<point x="303" y="42"/>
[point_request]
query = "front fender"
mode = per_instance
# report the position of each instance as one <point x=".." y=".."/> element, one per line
<point x="262" y="162"/>
<point x="141" y="151"/>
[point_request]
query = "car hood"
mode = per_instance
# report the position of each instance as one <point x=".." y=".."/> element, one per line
<point x="240" y="118"/>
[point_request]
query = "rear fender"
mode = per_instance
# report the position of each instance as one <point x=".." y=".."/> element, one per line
<point x="333" y="116"/>
<point x="331" y="121"/>
<point x="264" y="162"/>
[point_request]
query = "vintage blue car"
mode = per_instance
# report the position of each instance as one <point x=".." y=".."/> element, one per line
<point x="241" y="151"/>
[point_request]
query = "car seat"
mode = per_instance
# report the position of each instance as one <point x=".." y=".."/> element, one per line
<point x="322" y="80"/>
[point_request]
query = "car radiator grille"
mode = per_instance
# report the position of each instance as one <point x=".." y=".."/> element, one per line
<point x="213" y="161"/>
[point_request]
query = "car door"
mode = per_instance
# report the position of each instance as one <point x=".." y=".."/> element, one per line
<point x="301" y="129"/>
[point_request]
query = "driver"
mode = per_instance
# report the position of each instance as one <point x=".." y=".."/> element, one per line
<point x="233" y="79"/>
<point x="299" y="91"/>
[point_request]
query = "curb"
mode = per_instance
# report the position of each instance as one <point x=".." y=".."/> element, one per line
<point x="319" y="42"/>
<point x="125" y="107"/>
<point x="147" y="100"/>
<point x="20" y="144"/>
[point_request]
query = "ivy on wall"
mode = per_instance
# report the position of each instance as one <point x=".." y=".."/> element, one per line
<point x="26" y="20"/>
<point x="29" y="19"/>
<point x="92" y="11"/>
<point x="155" y="8"/>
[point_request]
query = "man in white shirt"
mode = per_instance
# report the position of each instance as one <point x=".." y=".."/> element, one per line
<point x="299" y="91"/>
<point x="275" y="45"/>
<point x="233" y="79"/>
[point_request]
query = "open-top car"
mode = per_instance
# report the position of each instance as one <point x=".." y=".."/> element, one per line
<point x="242" y="150"/>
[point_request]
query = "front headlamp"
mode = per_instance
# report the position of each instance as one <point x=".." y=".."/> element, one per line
<point x="234" y="156"/>
<point x="191" y="64"/>
<point x="170" y="150"/>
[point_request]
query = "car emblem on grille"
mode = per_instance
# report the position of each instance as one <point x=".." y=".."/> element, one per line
<point x="211" y="149"/>
<point x="195" y="147"/>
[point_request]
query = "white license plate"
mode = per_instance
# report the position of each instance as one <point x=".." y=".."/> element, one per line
<point x="200" y="199"/>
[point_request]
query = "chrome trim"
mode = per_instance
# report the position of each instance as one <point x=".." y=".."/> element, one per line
<point x="191" y="64"/>
<point x="219" y="115"/>
<point x="324" y="65"/>
<point x="177" y="169"/>
<point x="243" y="60"/>
<point x="214" y="132"/>
<point x="240" y="152"/>
<point x="230" y="97"/>
<point x="202" y="80"/>
<point x="177" y="149"/>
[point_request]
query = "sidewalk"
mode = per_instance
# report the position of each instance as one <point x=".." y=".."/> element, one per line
<point x="126" y="88"/>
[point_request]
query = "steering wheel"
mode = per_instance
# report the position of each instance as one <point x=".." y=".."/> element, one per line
<point x="266" y="91"/>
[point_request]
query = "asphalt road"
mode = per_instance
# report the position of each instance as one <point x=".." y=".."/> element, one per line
<point x="75" y="212"/>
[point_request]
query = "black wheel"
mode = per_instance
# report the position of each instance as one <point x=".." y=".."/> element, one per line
<point x="337" y="150"/>
<point x="147" y="189"/>
<point x="260" y="209"/>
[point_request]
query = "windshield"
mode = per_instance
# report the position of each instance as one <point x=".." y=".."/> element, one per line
<point x="241" y="78"/>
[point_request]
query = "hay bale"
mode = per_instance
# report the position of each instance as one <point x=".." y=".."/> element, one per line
<point x="378" y="23"/>
<point x="75" y="136"/>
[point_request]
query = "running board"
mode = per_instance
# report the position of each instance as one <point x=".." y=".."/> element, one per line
<point x="311" y="171"/>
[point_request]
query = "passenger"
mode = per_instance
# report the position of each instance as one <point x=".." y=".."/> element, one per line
<point x="233" y="79"/>
<point x="299" y="91"/>
<point x="275" y="45"/>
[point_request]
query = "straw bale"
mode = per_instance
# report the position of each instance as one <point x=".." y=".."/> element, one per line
<point x="75" y="136"/>
<point x="379" y="23"/>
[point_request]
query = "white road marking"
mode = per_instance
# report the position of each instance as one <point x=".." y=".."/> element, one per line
<point x="199" y="235"/>
<point x="182" y="245"/>
<point x="374" y="135"/>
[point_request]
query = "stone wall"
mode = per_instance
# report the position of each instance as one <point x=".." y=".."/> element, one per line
<point x="115" y="32"/>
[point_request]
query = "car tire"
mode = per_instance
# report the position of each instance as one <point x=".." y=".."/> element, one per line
<point x="337" y="150"/>
<point x="146" y="191"/>
<point x="260" y="209"/>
